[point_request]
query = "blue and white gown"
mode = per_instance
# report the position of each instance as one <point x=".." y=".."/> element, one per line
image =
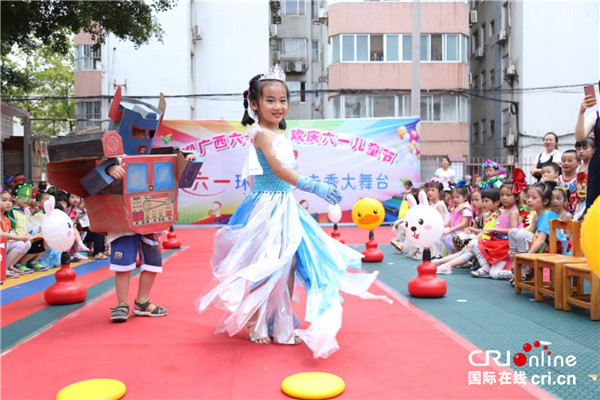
<point x="253" y="256"/>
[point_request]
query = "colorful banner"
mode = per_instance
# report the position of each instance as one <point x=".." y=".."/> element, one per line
<point x="360" y="157"/>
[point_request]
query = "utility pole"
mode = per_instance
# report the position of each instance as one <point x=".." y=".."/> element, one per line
<point x="415" y="94"/>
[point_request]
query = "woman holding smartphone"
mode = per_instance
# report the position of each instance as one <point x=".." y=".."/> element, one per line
<point x="585" y="125"/>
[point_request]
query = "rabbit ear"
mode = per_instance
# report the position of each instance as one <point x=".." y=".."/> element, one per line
<point x="411" y="201"/>
<point x="423" y="198"/>
<point x="49" y="205"/>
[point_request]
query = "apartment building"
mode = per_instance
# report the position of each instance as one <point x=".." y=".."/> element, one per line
<point x="529" y="61"/>
<point x="370" y="64"/>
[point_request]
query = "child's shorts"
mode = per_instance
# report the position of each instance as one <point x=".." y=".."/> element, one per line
<point x="124" y="251"/>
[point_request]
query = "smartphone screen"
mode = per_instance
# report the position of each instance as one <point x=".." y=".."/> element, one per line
<point x="589" y="91"/>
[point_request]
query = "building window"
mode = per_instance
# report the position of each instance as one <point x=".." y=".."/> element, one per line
<point x="452" y="48"/>
<point x="505" y="122"/>
<point x="407" y="47"/>
<point x="87" y="58"/>
<point x="85" y="111"/>
<point x="376" y="48"/>
<point x="335" y="49"/>
<point x="474" y="42"/>
<point x="294" y="88"/>
<point x="293" y="7"/>
<point x="355" y="107"/>
<point x="293" y="49"/>
<point x="436" y="48"/>
<point x="483" y="80"/>
<point x="362" y="47"/>
<point x="336" y="107"/>
<point x="315" y="50"/>
<point x="392" y="48"/>
<point x="348" y="47"/>
<point x="397" y="48"/>
<point x="492" y="78"/>
<point x="492" y="128"/>
<point x="434" y="108"/>
<point x="492" y="28"/>
<point x="475" y="133"/>
<point x="483" y="131"/>
<point x="383" y="106"/>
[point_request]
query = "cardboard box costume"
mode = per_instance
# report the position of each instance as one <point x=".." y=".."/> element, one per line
<point x="145" y="201"/>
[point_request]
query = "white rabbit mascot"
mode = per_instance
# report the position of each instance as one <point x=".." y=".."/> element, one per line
<point x="423" y="225"/>
<point x="58" y="234"/>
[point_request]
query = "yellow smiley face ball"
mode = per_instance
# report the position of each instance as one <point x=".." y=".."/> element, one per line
<point x="590" y="241"/>
<point x="368" y="213"/>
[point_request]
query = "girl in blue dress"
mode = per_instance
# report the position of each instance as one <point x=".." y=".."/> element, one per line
<point x="271" y="243"/>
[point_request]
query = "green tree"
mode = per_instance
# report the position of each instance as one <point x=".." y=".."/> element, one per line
<point x="27" y="26"/>
<point x="51" y="75"/>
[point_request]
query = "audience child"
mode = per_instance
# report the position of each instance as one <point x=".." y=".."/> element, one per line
<point x="434" y="193"/>
<point x="490" y="198"/>
<point x="493" y="253"/>
<point x="585" y="150"/>
<point x="492" y="177"/>
<point x="535" y="238"/>
<point x="16" y="245"/>
<point x="550" y="172"/>
<point x="460" y="218"/>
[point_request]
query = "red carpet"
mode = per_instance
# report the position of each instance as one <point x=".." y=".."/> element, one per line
<point x="387" y="351"/>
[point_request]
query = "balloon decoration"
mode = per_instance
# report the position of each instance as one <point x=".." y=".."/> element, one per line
<point x="423" y="225"/>
<point x="590" y="242"/>
<point x="335" y="215"/>
<point x="368" y="213"/>
<point x="401" y="132"/>
<point x="57" y="230"/>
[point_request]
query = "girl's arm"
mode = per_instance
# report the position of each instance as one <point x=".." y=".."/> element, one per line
<point x="14" y="236"/>
<point x="539" y="242"/>
<point x="440" y="209"/>
<point x="582" y="127"/>
<point x="464" y="223"/>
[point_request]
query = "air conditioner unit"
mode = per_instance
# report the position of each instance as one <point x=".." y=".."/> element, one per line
<point x="509" y="140"/>
<point x="322" y="13"/>
<point x="273" y="30"/>
<point x="275" y="5"/>
<point x="473" y="17"/>
<point x="502" y="36"/>
<point x="479" y="52"/>
<point x="197" y="33"/>
<point x="470" y="78"/>
<point x="290" y="67"/>
<point x="276" y="56"/>
<point x="511" y="70"/>
<point x="299" y="66"/>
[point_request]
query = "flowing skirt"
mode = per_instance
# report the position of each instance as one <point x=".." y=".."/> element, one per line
<point x="252" y="260"/>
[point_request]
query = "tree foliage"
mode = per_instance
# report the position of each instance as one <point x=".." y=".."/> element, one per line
<point x="27" y="26"/>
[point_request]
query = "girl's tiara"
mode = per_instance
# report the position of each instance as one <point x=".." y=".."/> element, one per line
<point x="274" y="73"/>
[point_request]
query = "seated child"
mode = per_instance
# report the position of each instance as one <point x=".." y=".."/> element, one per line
<point x="492" y="177"/>
<point x="550" y="171"/>
<point x="460" y="217"/>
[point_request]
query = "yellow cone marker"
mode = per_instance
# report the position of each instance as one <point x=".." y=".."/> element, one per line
<point x="313" y="385"/>
<point x="93" y="389"/>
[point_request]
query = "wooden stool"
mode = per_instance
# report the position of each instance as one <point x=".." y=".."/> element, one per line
<point x="574" y="274"/>
<point x="555" y="286"/>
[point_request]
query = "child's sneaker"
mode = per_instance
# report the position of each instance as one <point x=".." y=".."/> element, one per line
<point x="444" y="269"/>
<point x="480" y="273"/>
<point x="24" y="269"/>
<point x="38" y="267"/>
<point x="82" y="247"/>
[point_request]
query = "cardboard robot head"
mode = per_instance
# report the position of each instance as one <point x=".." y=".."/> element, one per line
<point x="136" y="122"/>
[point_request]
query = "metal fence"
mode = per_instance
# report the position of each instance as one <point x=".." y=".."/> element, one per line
<point x="472" y="166"/>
